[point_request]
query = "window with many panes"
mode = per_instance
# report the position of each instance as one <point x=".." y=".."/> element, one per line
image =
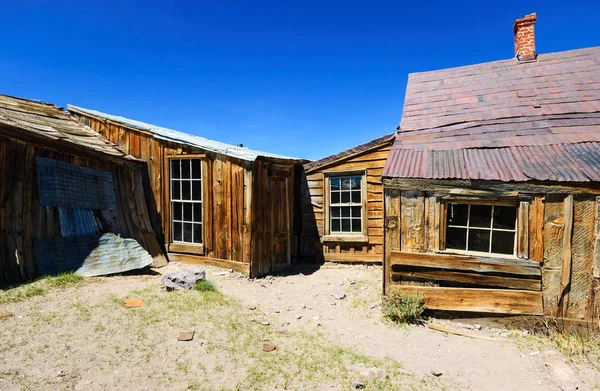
<point x="481" y="228"/>
<point x="345" y="203"/>
<point x="186" y="200"/>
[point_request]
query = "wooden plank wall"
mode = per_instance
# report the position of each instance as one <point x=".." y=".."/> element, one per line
<point x="313" y="212"/>
<point x="22" y="220"/>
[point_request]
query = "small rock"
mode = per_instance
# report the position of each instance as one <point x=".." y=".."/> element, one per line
<point x="358" y="384"/>
<point x="62" y="374"/>
<point x="221" y="273"/>
<point x="184" y="278"/>
<point x="374" y="373"/>
<point x="253" y="320"/>
<point x="477" y="326"/>
<point x="504" y="335"/>
<point x="338" y="295"/>
<point x="283" y="333"/>
<point x="332" y="303"/>
<point x="534" y="353"/>
<point x="265" y="323"/>
<point x="186" y="336"/>
<point x="268" y="347"/>
<point x="277" y="311"/>
<point x="373" y="306"/>
<point x="521" y="355"/>
<point x="436" y="373"/>
<point x="251" y="307"/>
<point x="316" y="318"/>
<point x="351" y="282"/>
<point x="298" y="316"/>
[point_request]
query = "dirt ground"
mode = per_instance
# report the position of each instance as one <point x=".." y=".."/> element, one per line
<point x="83" y="338"/>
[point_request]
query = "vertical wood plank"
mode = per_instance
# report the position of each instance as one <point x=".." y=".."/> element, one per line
<point x="208" y="208"/>
<point x="228" y="209"/>
<point x="596" y="260"/>
<point x="523" y="230"/>
<point x="237" y="212"/>
<point x="248" y="211"/>
<point x="412" y="221"/>
<point x="392" y="242"/>
<point x="565" y="277"/>
<point x="536" y="227"/>
<point x="219" y="235"/>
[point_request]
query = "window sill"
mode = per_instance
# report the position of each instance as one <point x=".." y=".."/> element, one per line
<point x="186" y="248"/>
<point x="346" y="238"/>
<point x="476" y="254"/>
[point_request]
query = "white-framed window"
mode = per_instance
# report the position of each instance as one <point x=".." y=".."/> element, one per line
<point x="186" y="200"/>
<point x="481" y="228"/>
<point x="346" y="215"/>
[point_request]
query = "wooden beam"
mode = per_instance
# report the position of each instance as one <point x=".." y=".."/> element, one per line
<point x="523" y="230"/>
<point x="353" y="257"/>
<point x="466" y="263"/>
<point x="240" y="267"/>
<point x="565" y="276"/>
<point x="596" y="260"/>
<point x="498" y="301"/>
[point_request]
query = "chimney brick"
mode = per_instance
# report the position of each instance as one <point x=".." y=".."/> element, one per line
<point x="525" y="38"/>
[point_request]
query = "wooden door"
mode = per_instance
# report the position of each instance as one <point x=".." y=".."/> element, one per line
<point x="280" y="227"/>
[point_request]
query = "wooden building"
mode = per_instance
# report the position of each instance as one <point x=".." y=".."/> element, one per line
<point x="342" y="204"/>
<point x="220" y="204"/>
<point x="492" y="186"/>
<point x="69" y="199"/>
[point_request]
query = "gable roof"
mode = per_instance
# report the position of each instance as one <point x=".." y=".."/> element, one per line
<point x="504" y="120"/>
<point x="45" y="121"/>
<point x="183" y="138"/>
<point x="351" y="151"/>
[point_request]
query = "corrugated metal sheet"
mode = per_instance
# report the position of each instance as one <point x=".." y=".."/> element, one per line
<point x="90" y="255"/>
<point x="185" y="138"/>
<point x="560" y="163"/>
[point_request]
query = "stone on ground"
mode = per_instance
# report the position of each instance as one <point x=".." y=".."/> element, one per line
<point x="183" y="279"/>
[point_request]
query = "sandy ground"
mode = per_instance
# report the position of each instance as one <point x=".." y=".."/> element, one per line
<point x="83" y="339"/>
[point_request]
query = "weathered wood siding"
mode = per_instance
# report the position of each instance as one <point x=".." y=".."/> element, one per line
<point x="558" y="231"/>
<point x="313" y="190"/>
<point x="22" y="219"/>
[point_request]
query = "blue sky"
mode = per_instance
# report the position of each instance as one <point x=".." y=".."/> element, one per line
<point x="305" y="79"/>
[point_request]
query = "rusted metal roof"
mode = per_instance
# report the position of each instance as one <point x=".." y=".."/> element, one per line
<point x="47" y="121"/>
<point x="504" y="120"/>
<point x="352" y="151"/>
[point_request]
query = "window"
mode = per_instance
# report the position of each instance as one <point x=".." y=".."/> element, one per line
<point x="345" y="204"/>
<point x="186" y="200"/>
<point x="481" y="228"/>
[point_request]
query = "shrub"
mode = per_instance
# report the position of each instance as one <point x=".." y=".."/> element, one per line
<point x="401" y="308"/>
<point x="205" y="286"/>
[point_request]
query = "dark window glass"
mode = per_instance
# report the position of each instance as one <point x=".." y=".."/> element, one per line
<point x="187" y="232"/>
<point x="356" y="225"/>
<point x="177" y="232"/>
<point x="197" y="190"/>
<point x="345" y="211"/>
<point x="185" y="169"/>
<point x="346" y="225"/>
<point x="335" y="225"/>
<point x="356" y="196"/>
<point x="355" y="182"/>
<point x="335" y="198"/>
<point x="505" y="217"/>
<point x="175" y="171"/>
<point x="335" y="183"/>
<point x="176" y="211"/>
<point x="186" y="190"/>
<point x="456" y="238"/>
<point x="457" y="214"/>
<point x="356" y="211"/>
<point x="196" y="169"/>
<point x="345" y="183"/>
<point x="197" y="212"/>
<point x="187" y="211"/>
<point x="175" y="190"/>
<point x="345" y="197"/>
<point x="481" y="216"/>
<point x="335" y="211"/>
<point x="503" y="242"/>
<point x="479" y="240"/>
<point x="197" y="233"/>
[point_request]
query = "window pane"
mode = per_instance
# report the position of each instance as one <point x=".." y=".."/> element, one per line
<point x="456" y="238"/>
<point x="479" y="240"/>
<point x="175" y="172"/>
<point x="356" y="225"/>
<point x="197" y="190"/>
<point x="346" y="225"/>
<point x="176" y="211"/>
<point x="457" y="214"/>
<point x="345" y="183"/>
<point x="345" y="211"/>
<point x="356" y="196"/>
<point x="197" y="233"/>
<point x="356" y="211"/>
<point x="187" y="211"/>
<point x="503" y="242"/>
<point x="185" y="169"/>
<point x="335" y="198"/>
<point x="335" y="211"/>
<point x="177" y="232"/>
<point x="345" y="197"/>
<point x="187" y="232"/>
<point x="186" y="190"/>
<point x="505" y="217"/>
<point x="198" y="212"/>
<point x="335" y="225"/>
<point x="175" y="190"/>
<point x="196" y="169"/>
<point x="481" y="216"/>
<point x="335" y="183"/>
<point x="355" y="182"/>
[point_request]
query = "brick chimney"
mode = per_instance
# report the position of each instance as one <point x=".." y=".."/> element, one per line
<point x="525" y="38"/>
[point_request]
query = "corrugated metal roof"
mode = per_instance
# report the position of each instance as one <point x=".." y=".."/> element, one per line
<point x="184" y="138"/>
<point x="503" y="120"/>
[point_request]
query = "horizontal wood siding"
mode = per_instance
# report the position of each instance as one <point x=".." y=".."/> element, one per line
<point x="313" y="209"/>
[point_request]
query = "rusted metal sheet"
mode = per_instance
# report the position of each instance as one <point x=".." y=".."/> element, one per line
<point x="90" y="255"/>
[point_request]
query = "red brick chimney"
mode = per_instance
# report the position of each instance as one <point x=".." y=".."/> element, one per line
<point x="525" y="38"/>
